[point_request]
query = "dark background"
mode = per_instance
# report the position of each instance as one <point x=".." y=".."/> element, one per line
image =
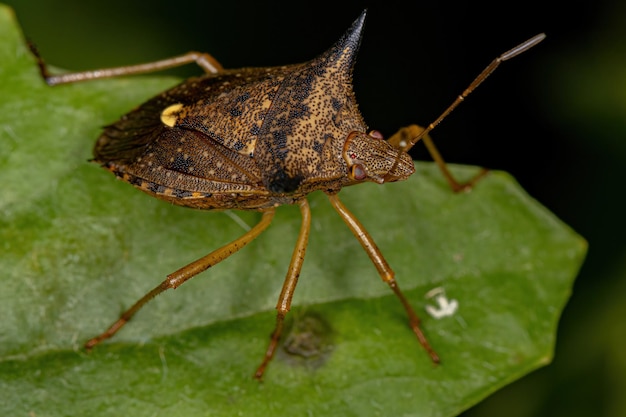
<point x="554" y="117"/>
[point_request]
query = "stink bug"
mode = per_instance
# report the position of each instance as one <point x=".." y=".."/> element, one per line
<point x="258" y="138"/>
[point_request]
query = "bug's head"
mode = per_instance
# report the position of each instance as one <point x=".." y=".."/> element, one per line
<point x="369" y="157"/>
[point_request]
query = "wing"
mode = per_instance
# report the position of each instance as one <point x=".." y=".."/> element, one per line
<point x="228" y="107"/>
<point x="195" y="141"/>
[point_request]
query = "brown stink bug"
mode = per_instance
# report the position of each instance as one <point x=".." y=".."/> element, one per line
<point x="258" y="138"/>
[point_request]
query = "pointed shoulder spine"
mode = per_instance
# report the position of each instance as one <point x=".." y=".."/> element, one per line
<point x="346" y="48"/>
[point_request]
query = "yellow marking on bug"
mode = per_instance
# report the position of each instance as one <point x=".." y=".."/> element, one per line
<point x="249" y="148"/>
<point x="169" y="115"/>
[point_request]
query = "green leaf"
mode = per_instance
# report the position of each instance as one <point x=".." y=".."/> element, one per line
<point x="77" y="247"/>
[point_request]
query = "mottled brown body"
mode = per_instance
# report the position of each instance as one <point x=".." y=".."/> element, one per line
<point x="258" y="138"/>
<point x="252" y="138"/>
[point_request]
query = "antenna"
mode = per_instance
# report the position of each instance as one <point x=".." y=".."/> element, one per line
<point x="522" y="47"/>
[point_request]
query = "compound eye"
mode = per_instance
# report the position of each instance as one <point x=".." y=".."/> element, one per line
<point x="376" y="134"/>
<point x="357" y="172"/>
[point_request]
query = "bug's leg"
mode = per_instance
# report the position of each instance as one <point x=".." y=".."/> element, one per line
<point x="405" y="134"/>
<point x="385" y="271"/>
<point x="185" y="273"/>
<point x="286" y="294"/>
<point x="203" y="60"/>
